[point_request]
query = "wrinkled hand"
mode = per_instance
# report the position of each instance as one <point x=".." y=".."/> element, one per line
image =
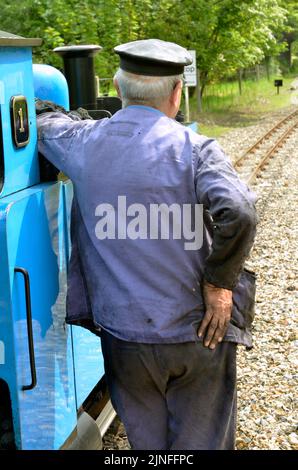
<point x="218" y="303"/>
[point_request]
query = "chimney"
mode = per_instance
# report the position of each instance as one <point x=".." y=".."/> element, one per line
<point x="79" y="73"/>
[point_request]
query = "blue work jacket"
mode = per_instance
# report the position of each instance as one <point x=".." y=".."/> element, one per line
<point x="141" y="288"/>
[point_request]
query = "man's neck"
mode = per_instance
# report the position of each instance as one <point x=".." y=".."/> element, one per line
<point x="148" y="107"/>
<point x="164" y="108"/>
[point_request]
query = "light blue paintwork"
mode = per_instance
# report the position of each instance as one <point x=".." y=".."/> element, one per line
<point x="50" y="84"/>
<point x="21" y="166"/>
<point x="32" y="236"/>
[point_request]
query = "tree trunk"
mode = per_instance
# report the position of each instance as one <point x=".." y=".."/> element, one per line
<point x="203" y="80"/>
<point x="240" y="81"/>
<point x="287" y="54"/>
<point x="257" y="72"/>
<point x="267" y="65"/>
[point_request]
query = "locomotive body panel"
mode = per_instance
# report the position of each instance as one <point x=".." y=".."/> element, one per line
<point x="34" y="238"/>
<point x="16" y="81"/>
<point x="48" y="366"/>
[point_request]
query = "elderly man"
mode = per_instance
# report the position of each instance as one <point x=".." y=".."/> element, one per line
<point x="170" y="311"/>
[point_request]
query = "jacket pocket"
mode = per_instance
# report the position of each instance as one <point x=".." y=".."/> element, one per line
<point x="244" y="293"/>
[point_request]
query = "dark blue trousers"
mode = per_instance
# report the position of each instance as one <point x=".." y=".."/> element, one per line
<point x="173" y="396"/>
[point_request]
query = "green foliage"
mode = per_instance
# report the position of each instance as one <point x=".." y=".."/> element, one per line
<point x="257" y="95"/>
<point x="290" y="34"/>
<point x="224" y="109"/>
<point x="227" y="35"/>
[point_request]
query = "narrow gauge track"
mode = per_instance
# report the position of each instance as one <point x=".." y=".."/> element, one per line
<point x="265" y="147"/>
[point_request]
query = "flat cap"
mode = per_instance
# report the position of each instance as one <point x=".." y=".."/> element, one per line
<point x="153" y="57"/>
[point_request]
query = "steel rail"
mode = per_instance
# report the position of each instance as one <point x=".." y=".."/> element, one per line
<point x="264" y="137"/>
<point x="269" y="153"/>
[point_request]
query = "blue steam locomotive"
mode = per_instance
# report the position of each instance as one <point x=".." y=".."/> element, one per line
<point x="52" y="389"/>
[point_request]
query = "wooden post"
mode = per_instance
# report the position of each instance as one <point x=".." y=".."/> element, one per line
<point x="186" y="94"/>
<point x="267" y="63"/>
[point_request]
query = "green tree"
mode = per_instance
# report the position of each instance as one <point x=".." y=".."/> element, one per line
<point x="290" y="33"/>
<point x="226" y="35"/>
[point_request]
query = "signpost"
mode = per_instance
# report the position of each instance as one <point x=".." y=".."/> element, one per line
<point x="278" y="83"/>
<point x="190" y="77"/>
<point x="190" y="71"/>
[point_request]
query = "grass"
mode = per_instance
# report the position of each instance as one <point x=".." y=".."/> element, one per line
<point x="211" y="129"/>
<point x="224" y="108"/>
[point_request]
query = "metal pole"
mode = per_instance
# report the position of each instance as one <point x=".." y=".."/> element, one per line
<point x="187" y="118"/>
<point x="199" y="92"/>
<point x="97" y="86"/>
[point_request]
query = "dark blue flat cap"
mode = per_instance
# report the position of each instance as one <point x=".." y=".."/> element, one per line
<point x="153" y="57"/>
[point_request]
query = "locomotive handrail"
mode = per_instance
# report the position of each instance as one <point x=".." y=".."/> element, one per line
<point x="25" y="274"/>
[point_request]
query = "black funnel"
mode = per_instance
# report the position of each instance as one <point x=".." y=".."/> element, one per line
<point x="79" y="73"/>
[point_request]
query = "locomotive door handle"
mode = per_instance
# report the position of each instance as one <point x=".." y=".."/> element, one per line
<point x="25" y="275"/>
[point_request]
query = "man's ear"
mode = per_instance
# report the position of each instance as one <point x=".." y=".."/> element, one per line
<point x="176" y="94"/>
<point x="117" y="88"/>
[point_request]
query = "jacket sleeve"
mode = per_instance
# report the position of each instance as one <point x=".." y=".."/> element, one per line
<point x="60" y="138"/>
<point x="231" y="205"/>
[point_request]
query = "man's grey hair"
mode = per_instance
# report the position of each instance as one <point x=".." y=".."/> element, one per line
<point x="143" y="89"/>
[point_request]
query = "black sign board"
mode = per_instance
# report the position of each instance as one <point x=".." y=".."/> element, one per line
<point x="278" y="83"/>
<point x="19" y="120"/>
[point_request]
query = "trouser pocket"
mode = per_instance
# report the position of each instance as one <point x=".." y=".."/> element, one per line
<point x="244" y="293"/>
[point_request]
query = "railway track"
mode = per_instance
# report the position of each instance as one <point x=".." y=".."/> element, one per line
<point x="264" y="148"/>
